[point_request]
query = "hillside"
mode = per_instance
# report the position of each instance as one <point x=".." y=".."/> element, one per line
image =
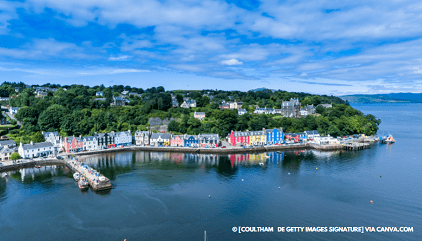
<point x="384" y="98"/>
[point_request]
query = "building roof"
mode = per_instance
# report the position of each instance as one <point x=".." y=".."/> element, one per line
<point x="8" y="142"/>
<point x="242" y="110"/>
<point x="199" y="113"/>
<point x="314" y="132"/>
<point x="6" y="149"/>
<point x="55" y="133"/>
<point x="241" y="133"/>
<point x="88" y="138"/>
<point x="37" y="145"/>
<point x="161" y="135"/>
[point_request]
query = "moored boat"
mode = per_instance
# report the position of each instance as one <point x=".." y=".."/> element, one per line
<point x="76" y="176"/>
<point x="83" y="184"/>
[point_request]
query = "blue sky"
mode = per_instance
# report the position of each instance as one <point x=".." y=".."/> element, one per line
<point x="322" y="47"/>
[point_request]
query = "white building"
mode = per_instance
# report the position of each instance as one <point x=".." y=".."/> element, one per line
<point x="304" y="113"/>
<point x="141" y="138"/>
<point x="199" y="115"/>
<point x="326" y="140"/>
<point x="312" y="134"/>
<point x="123" y="138"/>
<point x="13" y="110"/>
<point x="35" y="150"/>
<point x="188" y="103"/>
<point x="160" y="139"/>
<point x="99" y="93"/>
<point x="52" y="137"/>
<point x="90" y="143"/>
<point x="6" y="152"/>
<point x="241" y="111"/>
<point x="264" y="111"/>
<point x="8" y="143"/>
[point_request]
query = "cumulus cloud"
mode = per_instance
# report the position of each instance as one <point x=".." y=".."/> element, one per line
<point x="120" y="58"/>
<point x="231" y="62"/>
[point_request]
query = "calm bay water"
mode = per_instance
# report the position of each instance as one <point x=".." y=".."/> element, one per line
<point x="164" y="196"/>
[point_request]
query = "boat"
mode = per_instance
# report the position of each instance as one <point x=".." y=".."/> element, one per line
<point x="83" y="184"/>
<point x="261" y="163"/>
<point x="76" y="176"/>
<point x="38" y="166"/>
<point x="267" y="157"/>
<point x="388" y="139"/>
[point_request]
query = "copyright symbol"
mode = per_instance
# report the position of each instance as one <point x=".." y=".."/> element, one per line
<point x="234" y="229"/>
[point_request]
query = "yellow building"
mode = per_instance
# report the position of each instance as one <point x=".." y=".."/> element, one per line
<point x="253" y="158"/>
<point x="257" y="137"/>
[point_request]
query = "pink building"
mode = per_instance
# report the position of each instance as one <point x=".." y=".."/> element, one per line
<point x="238" y="138"/>
<point x="72" y="144"/>
<point x="177" y="141"/>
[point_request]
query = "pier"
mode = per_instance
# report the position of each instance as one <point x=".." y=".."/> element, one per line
<point x="96" y="181"/>
<point x="356" y="146"/>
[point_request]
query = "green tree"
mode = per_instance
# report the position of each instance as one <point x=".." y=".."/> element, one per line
<point x="15" y="156"/>
<point x="51" y="118"/>
<point x="173" y="126"/>
<point x="37" y="137"/>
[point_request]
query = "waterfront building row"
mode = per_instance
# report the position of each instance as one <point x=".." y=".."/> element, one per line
<point x="166" y="139"/>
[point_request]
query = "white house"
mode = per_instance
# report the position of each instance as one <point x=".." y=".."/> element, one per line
<point x="241" y="111"/>
<point x="264" y="111"/>
<point x="199" y="115"/>
<point x="52" y="137"/>
<point x="90" y="143"/>
<point x="6" y="152"/>
<point x="188" y="103"/>
<point x="13" y="110"/>
<point x="35" y="150"/>
<point x="123" y="138"/>
<point x="99" y="93"/>
<point x="312" y="134"/>
<point x="158" y="139"/>
<point x="326" y="140"/>
<point x="141" y="138"/>
<point x="304" y="113"/>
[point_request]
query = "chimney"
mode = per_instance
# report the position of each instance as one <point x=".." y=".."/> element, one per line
<point x="32" y="143"/>
<point x="80" y="136"/>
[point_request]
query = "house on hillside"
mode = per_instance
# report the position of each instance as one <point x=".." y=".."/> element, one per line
<point x="14" y="110"/>
<point x="199" y="115"/>
<point x="291" y="108"/>
<point x="311" y="109"/>
<point x="99" y="93"/>
<point x="52" y="137"/>
<point x="241" y="111"/>
<point x="188" y="104"/>
<point x="119" y="101"/>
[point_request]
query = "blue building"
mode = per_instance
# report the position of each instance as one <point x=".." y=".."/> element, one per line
<point x="191" y="140"/>
<point x="275" y="136"/>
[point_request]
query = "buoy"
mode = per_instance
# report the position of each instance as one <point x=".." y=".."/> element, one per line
<point x="278" y="187"/>
<point x="380" y="175"/>
<point x="317" y="168"/>
<point x="242" y="180"/>
<point x="209" y="196"/>
<point x="371" y="202"/>
<point x="289" y="173"/>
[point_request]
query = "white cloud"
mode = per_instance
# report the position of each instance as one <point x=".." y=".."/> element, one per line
<point x="303" y="74"/>
<point x="231" y="62"/>
<point x="120" y="58"/>
<point x="123" y="71"/>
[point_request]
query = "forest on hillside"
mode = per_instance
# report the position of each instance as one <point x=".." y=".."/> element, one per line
<point x="73" y="110"/>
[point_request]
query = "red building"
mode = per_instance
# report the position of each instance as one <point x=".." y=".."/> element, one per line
<point x="238" y="138"/>
<point x="72" y="144"/>
<point x="292" y="137"/>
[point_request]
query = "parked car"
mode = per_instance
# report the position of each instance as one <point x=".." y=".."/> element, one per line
<point x="223" y="147"/>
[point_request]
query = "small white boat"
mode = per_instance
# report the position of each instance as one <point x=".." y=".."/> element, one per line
<point x="267" y="157"/>
<point x="261" y="163"/>
<point x="76" y="176"/>
<point x="83" y="184"/>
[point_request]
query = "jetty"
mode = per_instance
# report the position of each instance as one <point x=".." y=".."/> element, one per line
<point x="97" y="181"/>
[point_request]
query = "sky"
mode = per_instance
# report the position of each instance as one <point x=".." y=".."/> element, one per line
<point x="320" y="47"/>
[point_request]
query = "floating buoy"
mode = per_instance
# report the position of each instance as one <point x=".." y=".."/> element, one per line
<point x="371" y="202"/>
<point x="209" y="196"/>
<point x="380" y="175"/>
<point x="317" y="168"/>
<point x="242" y="180"/>
<point x="289" y="173"/>
<point x="278" y="187"/>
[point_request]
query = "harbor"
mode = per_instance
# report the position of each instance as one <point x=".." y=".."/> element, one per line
<point x="96" y="181"/>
